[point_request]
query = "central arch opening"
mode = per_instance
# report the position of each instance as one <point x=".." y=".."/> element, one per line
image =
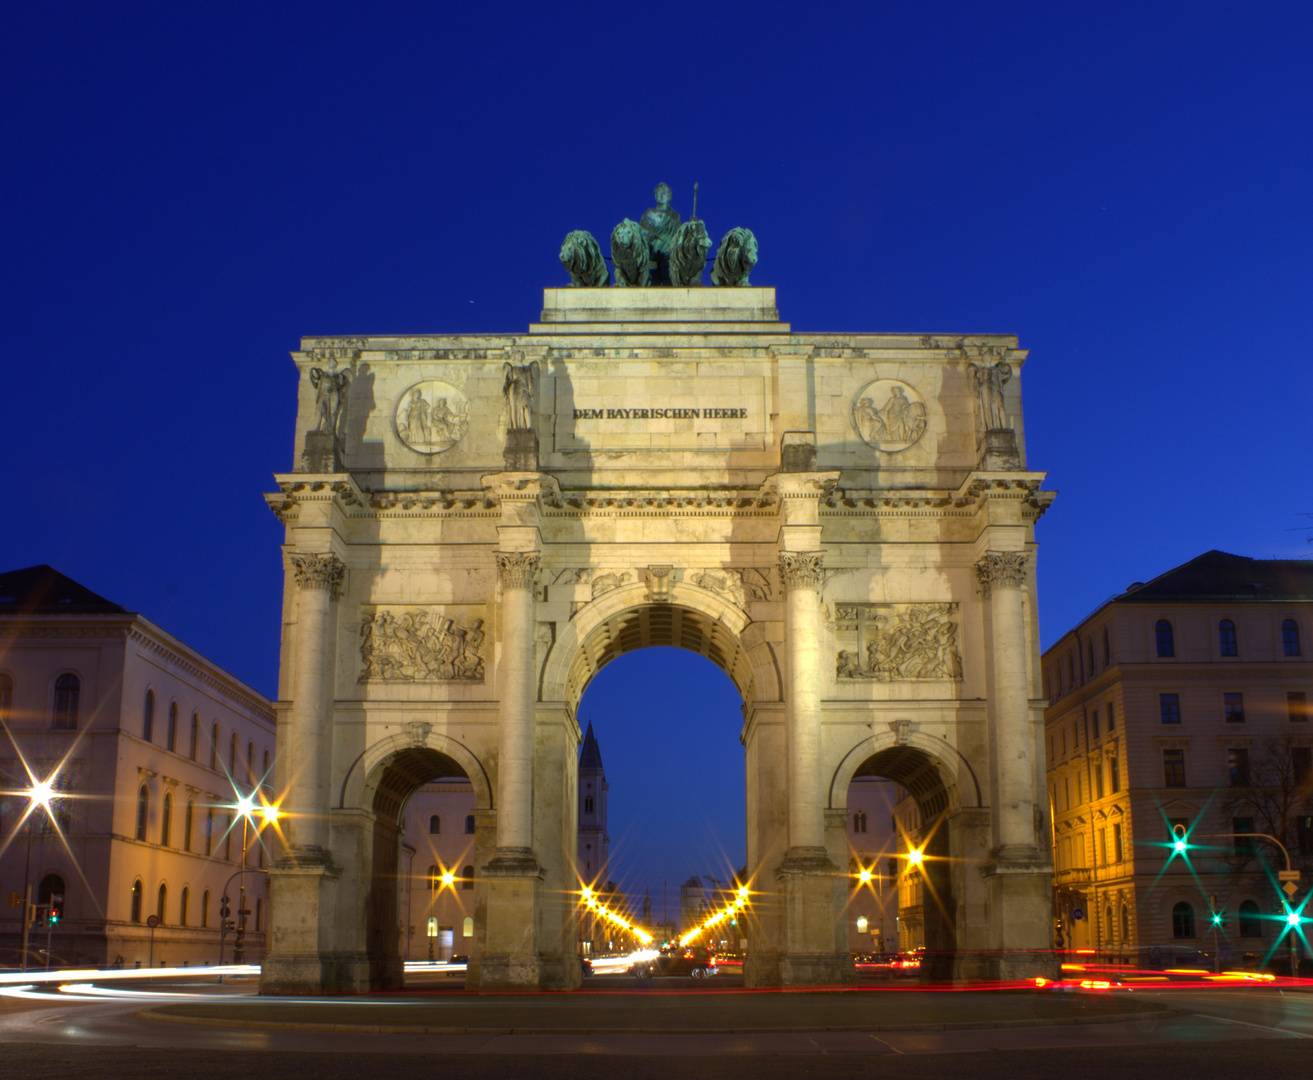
<point x="660" y="691"/>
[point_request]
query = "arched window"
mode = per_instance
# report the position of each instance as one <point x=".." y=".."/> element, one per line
<point x="1126" y="925"/>
<point x="6" y="698"/>
<point x="162" y="902"/>
<point x="1182" y="920"/>
<point x="1107" y="652"/>
<point x="143" y="811"/>
<point x="1226" y="642"/>
<point x="1250" y="923"/>
<point x="166" y="819"/>
<point x="467" y="877"/>
<point x="136" y="900"/>
<point x="435" y="825"/>
<point x="1166" y="640"/>
<point x="171" y="736"/>
<point x="1089" y="654"/>
<point x="214" y="747"/>
<point x="148" y="717"/>
<point x="187" y="825"/>
<point x="209" y="830"/>
<point x="205" y="908"/>
<point x="228" y="838"/>
<point x="51" y="885"/>
<point x="68" y="690"/>
<point x="232" y="756"/>
<point x="250" y="763"/>
<point x="195" y="734"/>
<point x="259" y="913"/>
<point x="588" y="806"/>
<point x="1107" y="922"/>
<point x="1290" y="637"/>
<point x="467" y="927"/>
<point x="469" y="825"/>
<point x="264" y="773"/>
<point x="182" y="909"/>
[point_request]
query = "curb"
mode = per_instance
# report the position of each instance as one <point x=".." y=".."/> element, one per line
<point x="424" y="1029"/>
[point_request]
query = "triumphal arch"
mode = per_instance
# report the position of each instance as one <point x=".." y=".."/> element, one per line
<point x="844" y="523"/>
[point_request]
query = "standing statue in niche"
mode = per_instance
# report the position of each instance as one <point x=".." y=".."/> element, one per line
<point x="988" y="381"/>
<point x="659" y="224"/>
<point x="630" y="257"/>
<point x="581" y="256"/>
<point x="688" y="254"/>
<point x="735" y="258"/>
<point x="519" y="388"/>
<point x="417" y="419"/>
<point x="330" y="390"/>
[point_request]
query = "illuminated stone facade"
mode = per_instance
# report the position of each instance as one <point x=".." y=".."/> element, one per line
<point x="149" y="745"/>
<point x="1182" y="700"/>
<point x="842" y="522"/>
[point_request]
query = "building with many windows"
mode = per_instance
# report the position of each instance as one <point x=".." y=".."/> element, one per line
<point x="437" y="853"/>
<point x="146" y="746"/>
<point x="874" y="843"/>
<point x="1183" y="701"/>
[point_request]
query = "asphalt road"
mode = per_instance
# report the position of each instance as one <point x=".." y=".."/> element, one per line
<point x="1207" y="1033"/>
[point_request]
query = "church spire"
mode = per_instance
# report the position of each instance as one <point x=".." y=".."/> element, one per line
<point x="590" y="756"/>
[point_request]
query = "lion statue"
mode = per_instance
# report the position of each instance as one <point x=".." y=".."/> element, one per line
<point x="583" y="258"/>
<point x="735" y="258"/>
<point x="629" y="255"/>
<point x="688" y="254"/>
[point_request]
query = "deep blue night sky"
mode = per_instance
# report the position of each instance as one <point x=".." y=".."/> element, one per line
<point x="187" y="189"/>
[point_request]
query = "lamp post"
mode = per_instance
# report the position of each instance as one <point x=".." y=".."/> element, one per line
<point x="39" y="794"/>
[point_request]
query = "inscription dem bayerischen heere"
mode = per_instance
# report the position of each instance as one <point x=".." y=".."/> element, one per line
<point x="660" y="414"/>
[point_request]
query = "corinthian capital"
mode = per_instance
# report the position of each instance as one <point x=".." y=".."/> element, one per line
<point x="319" y="572"/>
<point x="515" y="569"/>
<point x="1001" y="570"/>
<point x="801" y="569"/>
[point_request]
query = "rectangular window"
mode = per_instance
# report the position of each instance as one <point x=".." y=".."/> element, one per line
<point x="1296" y="707"/>
<point x="1112" y="724"/>
<point x="1064" y="742"/>
<point x="1244" y="845"/>
<point x="1114" y="776"/>
<point x="1098" y="780"/>
<point x="1094" y="723"/>
<point x="1103" y="847"/>
<point x="1304" y="835"/>
<point x="1117" y="843"/>
<point x="1173" y="768"/>
<point x="1237" y="766"/>
<point x="1169" y="708"/>
<point x="1066" y="792"/>
<point x="1233" y="708"/>
<point x="1301" y="764"/>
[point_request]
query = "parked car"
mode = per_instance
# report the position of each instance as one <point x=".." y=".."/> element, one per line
<point x="690" y="960"/>
<point x="585" y="966"/>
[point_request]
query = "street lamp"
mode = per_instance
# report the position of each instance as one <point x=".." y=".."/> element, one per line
<point x="40" y="795"/>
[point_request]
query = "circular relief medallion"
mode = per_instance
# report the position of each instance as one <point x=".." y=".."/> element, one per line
<point x="432" y="416"/>
<point x="889" y="415"/>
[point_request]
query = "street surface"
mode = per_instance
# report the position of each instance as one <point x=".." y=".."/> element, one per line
<point x="110" y="1028"/>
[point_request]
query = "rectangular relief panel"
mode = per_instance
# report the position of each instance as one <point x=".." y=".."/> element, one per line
<point x="896" y="642"/>
<point x="416" y="643"/>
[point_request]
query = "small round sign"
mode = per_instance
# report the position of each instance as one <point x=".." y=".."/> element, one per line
<point x="1077" y="914"/>
<point x="152" y="921"/>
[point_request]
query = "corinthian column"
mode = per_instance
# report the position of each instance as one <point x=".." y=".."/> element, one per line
<point x="515" y="569"/>
<point x="309" y="755"/>
<point x="1002" y="575"/>
<point x="803" y="628"/>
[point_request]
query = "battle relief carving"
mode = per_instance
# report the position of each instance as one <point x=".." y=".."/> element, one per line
<point x="896" y="642"/>
<point x="410" y="644"/>
<point x="432" y="416"/>
<point x="889" y="415"/>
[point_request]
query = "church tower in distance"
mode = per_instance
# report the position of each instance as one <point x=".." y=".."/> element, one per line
<point x="594" y="844"/>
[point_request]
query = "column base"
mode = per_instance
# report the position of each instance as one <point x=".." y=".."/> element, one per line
<point x="301" y="894"/>
<point x="1019" y="899"/>
<point x="813" y="892"/>
<point x="513" y="957"/>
